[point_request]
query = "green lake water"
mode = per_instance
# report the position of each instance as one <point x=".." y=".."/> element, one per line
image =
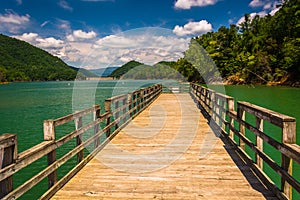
<point x="24" y="107"/>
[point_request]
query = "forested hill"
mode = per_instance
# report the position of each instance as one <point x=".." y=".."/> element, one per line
<point x="263" y="50"/>
<point x="124" y="69"/>
<point x="20" y="61"/>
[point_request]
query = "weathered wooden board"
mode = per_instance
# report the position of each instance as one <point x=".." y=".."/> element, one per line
<point x="167" y="152"/>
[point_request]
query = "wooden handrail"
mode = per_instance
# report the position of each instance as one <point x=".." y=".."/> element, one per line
<point x="124" y="108"/>
<point x="221" y="112"/>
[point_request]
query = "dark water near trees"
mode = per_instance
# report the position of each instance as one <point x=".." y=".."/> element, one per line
<point x="24" y="107"/>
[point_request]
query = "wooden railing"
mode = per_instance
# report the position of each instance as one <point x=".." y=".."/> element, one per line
<point x="119" y="110"/>
<point x="178" y="88"/>
<point x="220" y="110"/>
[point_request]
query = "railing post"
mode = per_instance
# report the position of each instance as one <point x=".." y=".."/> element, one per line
<point x="49" y="134"/>
<point x="129" y="102"/>
<point x="139" y="101"/>
<point x="230" y="104"/>
<point x="8" y="155"/>
<point x="117" y="115"/>
<point x="78" y="125"/>
<point x="134" y="103"/>
<point x="223" y="114"/>
<point x="212" y="104"/>
<point x="96" y="115"/>
<point x="107" y="105"/>
<point x="288" y="137"/>
<point x="241" y="117"/>
<point x="259" y="142"/>
<point x="217" y="103"/>
<point x="203" y="93"/>
<point x="124" y="102"/>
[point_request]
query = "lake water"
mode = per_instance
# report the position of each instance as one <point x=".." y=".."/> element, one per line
<point x="24" y="107"/>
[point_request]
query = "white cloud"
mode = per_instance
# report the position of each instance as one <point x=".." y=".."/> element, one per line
<point x="28" y="37"/>
<point x="13" y="18"/>
<point x="13" y="22"/>
<point x="44" y="23"/>
<point x="65" y="5"/>
<point x="187" y="4"/>
<point x="50" y="44"/>
<point x="117" y="41"/>
<point x="252" y="15"/>
<point x="193" y="28"/>
<point x="81" y="35"/>
<point x="138" y="45"/>
<point x="269" y="7"/>
<point x="275" y="10"/>
<point x="86" y="50"/>
<point x="63" y="24"/>
<point x="257" y="3"/>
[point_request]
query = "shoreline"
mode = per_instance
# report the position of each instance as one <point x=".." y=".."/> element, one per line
<point x="225" y="82"/>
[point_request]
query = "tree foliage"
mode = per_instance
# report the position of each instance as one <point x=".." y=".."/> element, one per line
<point x="260" y="50"/>
<point x="124" y="69"/>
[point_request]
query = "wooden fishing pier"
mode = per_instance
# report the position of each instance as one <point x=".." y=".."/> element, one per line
<point x="153" y="145"/>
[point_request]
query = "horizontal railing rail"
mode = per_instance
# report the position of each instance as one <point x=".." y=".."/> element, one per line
<point x="119" y="110"/>
<point x="220" y="110"/>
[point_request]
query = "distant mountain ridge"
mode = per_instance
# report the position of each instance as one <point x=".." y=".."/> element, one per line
<point x="21" y="61"/>
<point x="81" y="72"/>
<point x="103" y="72"/>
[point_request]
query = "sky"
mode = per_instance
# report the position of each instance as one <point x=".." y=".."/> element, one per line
<point x="99" y="33"/>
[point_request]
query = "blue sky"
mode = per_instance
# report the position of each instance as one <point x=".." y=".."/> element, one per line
<point x="75" y="29"/>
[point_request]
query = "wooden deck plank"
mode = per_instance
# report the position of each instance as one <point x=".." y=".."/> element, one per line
<point x="167" y="152"/>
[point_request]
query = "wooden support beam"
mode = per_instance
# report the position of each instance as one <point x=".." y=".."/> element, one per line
<point x="78" y="125"/>
<point x="259" y="142"/>
<point x="288" y="137"/>
<point x="49" y="134"/>
<point x="8" y="155"/>
<point x="96" y="115"/>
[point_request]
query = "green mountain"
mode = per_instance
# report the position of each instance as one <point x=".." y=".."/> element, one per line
<point x="124" y="69"/>
<point x="20" y="61"/>
<point x="136" y="70"/>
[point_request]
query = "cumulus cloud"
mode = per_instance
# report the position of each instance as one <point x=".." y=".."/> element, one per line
<point x="193" y="28"/>
<point x="50" y="44"/>
<point x="252" y="15"/>
<point x="84" y="49"/>
<point x="65" y="5"/>
<point x="81" y="35"/>
<point x="275" y="10"/>
<point x="187" y="4"/>
<point x="13" y="22"/>
<point x="142" y="46"/>
<point x="256" y="3"/>
<point x="269" y="7"/>
<point x="28" y="37"/>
